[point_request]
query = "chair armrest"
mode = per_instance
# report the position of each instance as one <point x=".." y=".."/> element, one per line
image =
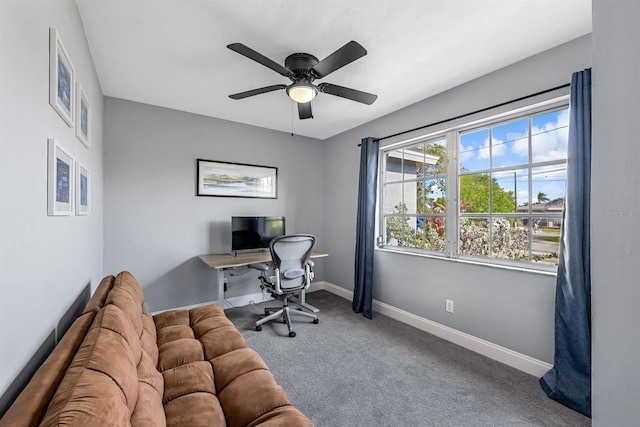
<point x="259" y="266"/>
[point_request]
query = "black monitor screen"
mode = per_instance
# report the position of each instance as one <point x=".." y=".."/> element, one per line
<point x="255" y="232"/>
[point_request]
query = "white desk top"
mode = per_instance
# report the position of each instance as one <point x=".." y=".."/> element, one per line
<point x="225" y="261"/>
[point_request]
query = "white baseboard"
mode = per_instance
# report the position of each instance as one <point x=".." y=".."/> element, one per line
<point x="242" y="300"/>
<point x="509" y="357"/>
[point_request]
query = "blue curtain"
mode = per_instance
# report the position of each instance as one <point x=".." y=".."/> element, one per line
<point x="365" y="228"/>
<point x="569" y="381"/>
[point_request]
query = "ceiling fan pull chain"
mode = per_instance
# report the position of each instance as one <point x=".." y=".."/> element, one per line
<point x="291" y="118"/>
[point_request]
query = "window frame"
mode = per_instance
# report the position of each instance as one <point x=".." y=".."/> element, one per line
<point x="452" y="216"/>
<point x="381" y="215"/>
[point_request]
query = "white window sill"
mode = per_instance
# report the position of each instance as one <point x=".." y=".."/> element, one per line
<point x="471" y="262"/>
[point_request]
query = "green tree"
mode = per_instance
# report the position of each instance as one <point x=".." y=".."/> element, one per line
<point x="474" y="190"/>
<point x="426" y="203"/>
<point x="542" y="197"/>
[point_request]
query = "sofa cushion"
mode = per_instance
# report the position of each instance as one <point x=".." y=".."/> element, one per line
<point x="212" y="379"/>
<point x="100" y="295"/>
<point x="195" y="410"/>
<point x="100" y="386"/>
<point x="113" y="378"/>
<point x="127" y="295"/>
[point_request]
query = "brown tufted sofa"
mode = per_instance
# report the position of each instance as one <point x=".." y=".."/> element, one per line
<point x="119" y="366"/>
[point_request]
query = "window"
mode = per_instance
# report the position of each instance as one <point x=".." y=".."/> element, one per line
<point x="502" y="202"/>
<point x="414" y="203"/>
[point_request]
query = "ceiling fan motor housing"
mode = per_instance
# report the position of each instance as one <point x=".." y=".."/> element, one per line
<point x="300" y="65"/>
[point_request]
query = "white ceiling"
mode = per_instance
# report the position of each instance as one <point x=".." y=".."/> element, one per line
<point x="172" y="53"/>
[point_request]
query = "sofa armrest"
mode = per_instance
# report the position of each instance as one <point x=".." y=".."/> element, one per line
<point x="31" y="405"/>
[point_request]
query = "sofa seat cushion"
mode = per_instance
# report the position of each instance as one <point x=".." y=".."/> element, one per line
<point x="210" y="376"/>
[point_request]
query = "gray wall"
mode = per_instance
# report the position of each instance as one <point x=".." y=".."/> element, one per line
<point x="615" y="214"/>
<point x="45" y="262"/>
<point x="513" y="309"/>
<point x="155" y="226"/>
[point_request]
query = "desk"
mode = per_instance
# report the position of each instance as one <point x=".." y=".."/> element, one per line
<point x="223" y="262"/>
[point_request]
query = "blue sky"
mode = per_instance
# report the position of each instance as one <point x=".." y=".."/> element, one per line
<point x="510" y="147"/>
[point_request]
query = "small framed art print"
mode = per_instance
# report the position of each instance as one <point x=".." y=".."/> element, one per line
<point x="61" y="79"/>
<point x="83" y="190"/>
<point x="60" y="180"/>
<point x="83" y="117"/>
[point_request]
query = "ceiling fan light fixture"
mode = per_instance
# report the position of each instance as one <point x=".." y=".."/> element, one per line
<point x="302" y="92"/>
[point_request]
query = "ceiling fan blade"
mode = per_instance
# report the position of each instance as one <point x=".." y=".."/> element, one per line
<point x="258" y="57"/>
<point x="338" y="59"/>
<point x="345" y="92"/>
<point x="253" y="92"/>
<point x="304" y="111"/>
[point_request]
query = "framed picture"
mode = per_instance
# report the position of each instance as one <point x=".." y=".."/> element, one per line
<point x="61" y="79"/>
<point x="225" y="179"/>
<point x="83" y="190"/>
<point x="83" y="117"/>
<point x="60" y="180"/>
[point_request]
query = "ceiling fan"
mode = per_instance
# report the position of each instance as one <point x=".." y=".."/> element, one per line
<point x="302" y="69"/>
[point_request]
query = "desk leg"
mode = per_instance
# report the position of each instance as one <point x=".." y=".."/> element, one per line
<point x="220" y="277"/>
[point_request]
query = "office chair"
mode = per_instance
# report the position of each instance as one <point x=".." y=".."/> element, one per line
<point x="292" y="273"/>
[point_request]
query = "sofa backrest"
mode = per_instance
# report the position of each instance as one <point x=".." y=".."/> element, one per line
<point x="113" y="379"/>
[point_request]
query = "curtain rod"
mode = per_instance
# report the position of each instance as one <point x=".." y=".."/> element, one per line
<point x="473" y="112"/>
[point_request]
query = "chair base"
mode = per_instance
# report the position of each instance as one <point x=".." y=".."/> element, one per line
<point x="285" y="312"/>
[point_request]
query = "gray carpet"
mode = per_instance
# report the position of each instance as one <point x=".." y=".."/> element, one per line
<point x="351" y="371"/>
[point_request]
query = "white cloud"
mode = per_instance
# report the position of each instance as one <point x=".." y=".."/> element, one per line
<point x="466" y="153"/>
<point x="523" y="196"/>
<point x="498" y="149"/>
<point x="520" y="146"/>
<point x="550" y="141"/>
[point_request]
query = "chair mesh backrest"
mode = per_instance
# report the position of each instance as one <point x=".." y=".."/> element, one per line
<point x="291" y="253"/>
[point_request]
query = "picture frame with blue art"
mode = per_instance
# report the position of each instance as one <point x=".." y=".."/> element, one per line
<point x="62" y="75"/>
<point x="83" y="119"/>
<point x="61" y="180"/>
<point x="83" y="190"/>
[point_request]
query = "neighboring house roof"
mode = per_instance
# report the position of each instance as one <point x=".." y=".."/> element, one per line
<point x="414" y="156"/>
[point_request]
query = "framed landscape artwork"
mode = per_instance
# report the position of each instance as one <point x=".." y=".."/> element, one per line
<point x="225" y="179"/>
<point x="61" y="79"/>
<point x="83" y="119"/>
<point x="60" y="180"/>
<point x="83" y="190"/>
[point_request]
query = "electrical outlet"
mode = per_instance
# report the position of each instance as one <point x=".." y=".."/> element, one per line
<point x="448" y="305"/>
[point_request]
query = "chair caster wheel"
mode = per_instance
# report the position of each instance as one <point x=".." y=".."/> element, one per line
<point x="292" y="334"/>
<point x="316" y="321"/>
<point x="258" y="328"/>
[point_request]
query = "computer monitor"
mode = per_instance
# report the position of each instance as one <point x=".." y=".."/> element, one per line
<point x="255" y="232"/>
